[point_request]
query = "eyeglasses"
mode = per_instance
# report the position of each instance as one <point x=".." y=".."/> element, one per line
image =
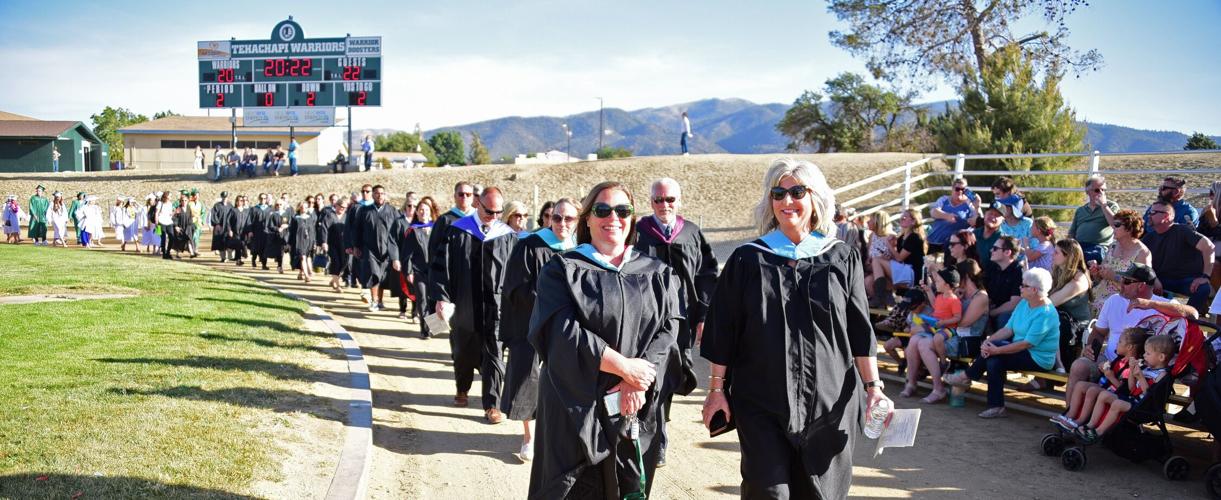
<point x="1117" y="224"/>
<point x="602" y="210"/>
<point x="994" y="249"/>
<point x="1172" y="188"/>
<point x="517" y="215"/>
<point x="797" y="192"/>
<point x="464" y="194"/>
<point x="366" y="190"/>
<point x="959" y="189"/>
<point x="952" y="242"/>
<point x="1129" y="281"/>
<point x="493" y="212"/>
<point x="1023" y="285"/>
<point x="664" y="199"/>
<point x="557" y="218"/>
<point x="1100" y="190"/>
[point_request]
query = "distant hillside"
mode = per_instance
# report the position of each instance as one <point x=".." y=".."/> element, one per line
<point x="720" y="126"/>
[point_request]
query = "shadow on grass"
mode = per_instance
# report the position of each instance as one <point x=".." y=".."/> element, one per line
<point x="255" y="323"/>
<point x="278" y="370"/>
<point x="279" y="401"/>
<point x="330" y="352"/>
<point x="254" y="303"/>
<point x="71" y="486"/>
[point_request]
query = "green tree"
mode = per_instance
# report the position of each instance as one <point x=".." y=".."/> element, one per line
<point x="1013" y="112"/>
<point x="405" y="142"/>
<point x="449" y="148"/>
<point x="107" y="124"/>
<point x="479" y="154"/>
<point x="164" y="114"/>
<point x="608" y="152"/>
<point x="912" y="39"/>
<point x="857" y="110"/>
<point x="1200" y="141"/>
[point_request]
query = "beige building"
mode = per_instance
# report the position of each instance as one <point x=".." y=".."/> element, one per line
<point x="169" y="143"/>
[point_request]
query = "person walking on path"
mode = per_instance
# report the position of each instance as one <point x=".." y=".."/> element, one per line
<point x="38" y="216"/>
<point x="681" y="245"/>
<point x="13" y="215"/>
<point x="687" y="135"/>
<point x="165" y="223"/>
<point x="519" y="398"/>
<point x="374" y="245"/>
<point x="220" y="218"/>
<point x="790" y="323"/>
<point x="74" y="214"/>
<point x="57" y="217"/>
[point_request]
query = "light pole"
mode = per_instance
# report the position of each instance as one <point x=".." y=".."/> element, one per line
<point x="600" y="133"/>
<point x="567" y="149"/>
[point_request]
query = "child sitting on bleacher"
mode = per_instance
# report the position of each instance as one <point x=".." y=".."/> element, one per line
<point x="1159" y="350"/>
<point x="1114" y="373"/>
<point x="947" y="311"/>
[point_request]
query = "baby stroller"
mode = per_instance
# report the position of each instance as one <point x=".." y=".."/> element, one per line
<point x="1141" y="433"/>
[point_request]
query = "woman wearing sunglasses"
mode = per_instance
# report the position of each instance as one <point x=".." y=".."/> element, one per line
<point x="795" y="371"/>
<point x="604" y="325"/>
<point x="520" y="395"/>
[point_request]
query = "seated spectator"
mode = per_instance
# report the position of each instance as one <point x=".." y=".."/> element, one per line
<point x="1028" y="341"/>
<point x="1042" y="240"/>
<point x="1004" y="280"/>
<point x="971" y="327"/>
<point x="951" y="213"/>
<point x="1210" y="227"/>
<point x="1124" y="251"/>
<point x="234" y="161"/>
<point x="987" y="232"/>
<point x="1134" y="302"/>
<point x="961" y="248"/>
<point x="881" y="238"/>
<point x="947" y="311"/>
<point x="1182" y="258"/>
<point x="907" y="264"/>
<point x="249" y="160"/>
<point x="1172" y="191"/>
<point x="1070" y="293"/>
<point x="1014" y="223"/>
<point x="1092" y="221"/>
<point x="269" y="159"/>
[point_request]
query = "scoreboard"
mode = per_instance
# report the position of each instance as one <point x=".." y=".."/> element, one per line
<point x="290" y="70"/>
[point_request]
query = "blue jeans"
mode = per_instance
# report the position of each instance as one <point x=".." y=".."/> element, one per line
<point x="275" y="166"/>
<point x="996" y="366"/>
<point x="684" y="142"/>
<point x="218" y="170"/>
<point x="368" y="161"/>
<point x="247" y="167"/>
<point x="1198" y="300"/>
<point x="1094" y="252"/>
<point x="292" y="166"/>
<point x="55" y="166"/>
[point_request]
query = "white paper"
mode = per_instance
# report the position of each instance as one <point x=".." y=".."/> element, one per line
<point x="436" y="324"/>
<point x="900" y="432"/>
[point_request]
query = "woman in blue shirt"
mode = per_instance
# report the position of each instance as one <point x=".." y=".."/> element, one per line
<point x="1028" y="341"/>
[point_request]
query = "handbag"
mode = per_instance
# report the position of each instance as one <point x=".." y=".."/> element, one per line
<point x="321" y="261"/>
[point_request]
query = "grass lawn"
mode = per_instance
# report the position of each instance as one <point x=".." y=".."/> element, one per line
<point x="186" y="389"/>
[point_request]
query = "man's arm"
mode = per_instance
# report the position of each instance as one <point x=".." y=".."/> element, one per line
<point x="1169" y="308"/>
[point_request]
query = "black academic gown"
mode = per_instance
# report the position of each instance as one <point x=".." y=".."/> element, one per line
<point x="436" y="238"/>
<point x="256" y="228"/>
<point x="416" y="262"/>
<point x="788" y="330"/>
<point x="219" y="218"/>
<point x="398" y="280"/>
<point x="457" y="276"/>
<point x="238" y="220"/>
<point x="520" y="395"/>
<point x="184" y="228"/>
<point x="690" y="255"/>
<point x="276" y="239"/>
<point x="349" y="242"/>
<point x="581" y="309"/>
<point x="331" y="231"/>
<point x="372" y="233"/>
<point x="302" y="230"/>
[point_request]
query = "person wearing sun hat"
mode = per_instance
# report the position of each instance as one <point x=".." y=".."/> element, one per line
<point x="1015" y="223"/>
<point x="38" y="216"/>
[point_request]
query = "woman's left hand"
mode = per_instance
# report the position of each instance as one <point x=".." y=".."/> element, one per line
<point x="873" y="396"/>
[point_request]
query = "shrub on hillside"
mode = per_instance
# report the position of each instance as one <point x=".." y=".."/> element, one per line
<point x="608" y="152"/>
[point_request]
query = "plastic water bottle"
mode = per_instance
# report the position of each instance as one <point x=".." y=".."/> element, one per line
<point x="876" y="419"/>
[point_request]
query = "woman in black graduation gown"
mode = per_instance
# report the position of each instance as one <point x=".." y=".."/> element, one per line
<point x="302" y="230"/>
<point x="399" y="287"/>
<point x="331" y="228"/>
<point x="238" y="218"/>
<point x="790" y="343"/>
<point x="604" y="322"/>
<point x="520" y="394"/>
<point x="413" y="253"/>
<point x="256" y="230"/>
<point x="276" y="228"/>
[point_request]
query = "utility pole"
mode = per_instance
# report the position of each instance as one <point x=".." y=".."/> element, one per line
<point x="600" y="129"/>
<point x="568" y="149"/>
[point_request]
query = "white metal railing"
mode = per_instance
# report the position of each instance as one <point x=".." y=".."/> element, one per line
<point x="907" y="194"/>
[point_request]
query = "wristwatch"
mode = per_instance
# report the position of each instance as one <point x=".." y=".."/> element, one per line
<point x="875" y="383"/>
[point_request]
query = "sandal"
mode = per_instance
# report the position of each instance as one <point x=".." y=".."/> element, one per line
<point x="908" y="391"/>
<point x="1086" y="434"/>
<point x="933" y="397"/>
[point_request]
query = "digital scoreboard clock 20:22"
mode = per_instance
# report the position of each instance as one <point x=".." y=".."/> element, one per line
<point x="290" y="82"/>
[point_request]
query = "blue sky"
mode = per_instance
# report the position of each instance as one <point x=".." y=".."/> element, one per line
<point x="453" y="62"/>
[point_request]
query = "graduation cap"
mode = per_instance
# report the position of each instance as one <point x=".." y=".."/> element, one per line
<point x="11" y="197"/>
<point x="184" y="191"/>
<point x="224" y="194"/>
<point x="194" y="191"/>
<point x="57" y="194"/>
<point x="150" y="196"/>
<point x="80" y="194"/>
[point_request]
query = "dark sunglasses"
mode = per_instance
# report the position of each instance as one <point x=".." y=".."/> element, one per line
<point x="797" y="192"/>
<point x="366" y="190"/>
<point x="491" y="212"/>
<point x="1128" y="281"/>
<point x="1117" y="224"/>
<point x="1169" y="187"/>
<point x="959" y="189"/>
<point x="602" y="210"/>
<point x="664" y="199"/>
<point x="560" y="218"/>
<point x="1100" y="191"/>
<point x="952" y="243"/>
<point x="464" y="195"/>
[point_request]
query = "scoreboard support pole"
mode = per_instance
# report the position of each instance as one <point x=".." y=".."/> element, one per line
<point x="350" y="151"/>
<point x="233" y="130"/>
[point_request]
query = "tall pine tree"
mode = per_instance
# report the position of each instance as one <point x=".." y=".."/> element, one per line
<point x="1013" y="112"/>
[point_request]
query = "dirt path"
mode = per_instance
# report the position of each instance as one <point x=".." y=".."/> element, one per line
<point x="425" y="448"/>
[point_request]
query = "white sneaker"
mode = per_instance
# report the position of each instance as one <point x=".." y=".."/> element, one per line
<point x="527" y="452"/>
<point x="374" y="307"/>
